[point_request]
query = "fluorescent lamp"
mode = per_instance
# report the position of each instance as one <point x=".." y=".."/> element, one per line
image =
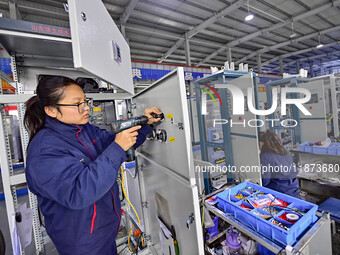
<point x="292" y="35"/>
<point x="320" y="45"/>
<point x="249" y="17"/>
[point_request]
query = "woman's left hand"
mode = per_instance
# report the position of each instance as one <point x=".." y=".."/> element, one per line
<point x="149" y="112"/>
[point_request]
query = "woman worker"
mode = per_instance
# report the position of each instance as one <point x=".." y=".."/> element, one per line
<point x="72" y="167"/>
<point x="278" y="169"/>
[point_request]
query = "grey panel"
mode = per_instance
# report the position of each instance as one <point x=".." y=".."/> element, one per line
<point x="94" y="40"/>
<point x="179" y="205"/>
<point x="244" y="140"/>
<point x="168" y="94"/>
<point x="314" y="127"/>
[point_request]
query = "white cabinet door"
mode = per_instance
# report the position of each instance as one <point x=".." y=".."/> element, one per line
<point x="97" y="44"/>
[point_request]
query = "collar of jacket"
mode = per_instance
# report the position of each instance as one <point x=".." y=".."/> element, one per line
<point x="62" y="128"/>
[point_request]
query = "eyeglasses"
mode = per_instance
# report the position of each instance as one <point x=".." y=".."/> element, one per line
<point x="81" y="106"/>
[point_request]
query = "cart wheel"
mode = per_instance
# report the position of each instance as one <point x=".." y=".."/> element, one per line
<point x="2" y="244"/>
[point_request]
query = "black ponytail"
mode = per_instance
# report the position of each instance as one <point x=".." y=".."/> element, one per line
<point x="50" y="91"/>
<point x="34" y="116"/>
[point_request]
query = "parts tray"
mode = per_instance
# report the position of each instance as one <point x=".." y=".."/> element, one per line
<point x="231" y="206"/>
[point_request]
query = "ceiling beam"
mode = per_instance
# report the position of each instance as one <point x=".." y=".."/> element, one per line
<point x="201" y="27"/>
<point x="287" y="55"/>
<point x="129" y="9"/>
<point x="279" y="45"/>
<point x="267" y="30"/>
<point x="169" y="35"/>
<point x="13" y="10"/>
<point x="310" y="58"/>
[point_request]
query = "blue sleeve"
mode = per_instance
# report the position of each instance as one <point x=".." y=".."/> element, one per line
<point x="266" y="174"/>
<point x="60" y="176"/>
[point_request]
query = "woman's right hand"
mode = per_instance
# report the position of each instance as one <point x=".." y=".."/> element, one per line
<point x="127" y="138"/>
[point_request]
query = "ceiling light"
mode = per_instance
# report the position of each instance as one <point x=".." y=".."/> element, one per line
<point x="249" y="16"/>
<point x="320" y="45"/>
<point x="293" y="34"/>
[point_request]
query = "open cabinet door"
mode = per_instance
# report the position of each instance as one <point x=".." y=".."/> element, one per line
<point x="167" y="179"/>
<point x="314" y="127"/>
<point x="97" y="44"/>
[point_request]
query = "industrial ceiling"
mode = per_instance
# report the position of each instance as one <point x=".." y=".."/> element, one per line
<point x="159" y="30"/>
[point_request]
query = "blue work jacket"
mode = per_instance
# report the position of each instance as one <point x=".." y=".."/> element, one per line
<point x="284" y="180"/>
<point x="73" y="171"/>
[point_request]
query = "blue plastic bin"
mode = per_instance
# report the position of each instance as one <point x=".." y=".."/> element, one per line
<point x="264" y="226"/>
<point x="332" y="149"/>
<point x="213" y="231"/>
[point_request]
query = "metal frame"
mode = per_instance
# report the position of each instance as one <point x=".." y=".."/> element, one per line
<point x="299" y="247"/>
<point x="222" y="77"/>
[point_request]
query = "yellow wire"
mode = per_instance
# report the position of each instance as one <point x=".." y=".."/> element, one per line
<point x="330" y="118"/>
<point x="127" y="199"/>
<point x="131" y="250"/>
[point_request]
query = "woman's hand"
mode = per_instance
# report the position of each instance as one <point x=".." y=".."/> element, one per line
<point x="149" y="112"/>
<point x="127" y="138"/>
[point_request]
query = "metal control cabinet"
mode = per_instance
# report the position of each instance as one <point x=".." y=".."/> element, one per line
<point x="167" y="177"/>
<point x="237" y="135"/>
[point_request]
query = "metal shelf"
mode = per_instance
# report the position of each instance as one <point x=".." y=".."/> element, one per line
<point x="245" y="229"/>
<point x="309" y="240"/>
<point x="211" y="240"/>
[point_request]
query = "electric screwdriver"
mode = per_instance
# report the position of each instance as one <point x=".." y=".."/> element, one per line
<point x="121" y="125"/>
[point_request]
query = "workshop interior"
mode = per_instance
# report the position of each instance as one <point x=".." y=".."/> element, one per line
<point x="199" y="183"/>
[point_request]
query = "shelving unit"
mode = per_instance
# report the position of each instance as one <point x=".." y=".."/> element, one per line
<point x="308" y="243"/>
